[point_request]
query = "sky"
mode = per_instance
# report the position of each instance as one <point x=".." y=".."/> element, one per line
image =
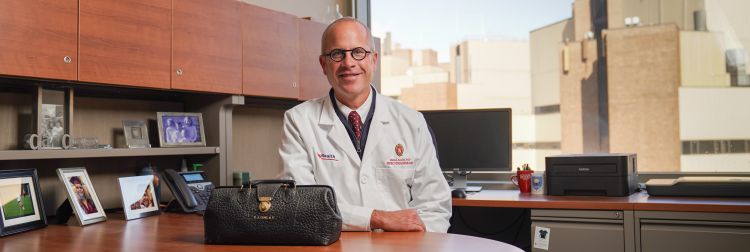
<point x="438" y="24"/>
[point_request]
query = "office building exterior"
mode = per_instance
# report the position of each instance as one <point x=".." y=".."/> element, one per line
<point x="644" y="77"/>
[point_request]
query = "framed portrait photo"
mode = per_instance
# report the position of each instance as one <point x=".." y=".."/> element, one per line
<point x="21" y="201"/>
<point x="81" y="195"/>
<point x="177" y="129"/>
<point x="138" y="196"/>
<point x="53" y="115"/>
<point x="136" y="134"/>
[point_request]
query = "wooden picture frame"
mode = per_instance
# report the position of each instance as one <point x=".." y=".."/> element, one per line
<point x="22" y="209"/>
<point x="180" y="129"/>
<point x="81" y="195"/>
<point x="138" y="196"/>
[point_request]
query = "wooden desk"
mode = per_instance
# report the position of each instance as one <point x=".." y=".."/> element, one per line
<point x="637" y="223"/>
<point x="636" y="201"/>
<point x="178" y="232"/>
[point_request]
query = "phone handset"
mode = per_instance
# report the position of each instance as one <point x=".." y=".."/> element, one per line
<point x="181" y="189"/>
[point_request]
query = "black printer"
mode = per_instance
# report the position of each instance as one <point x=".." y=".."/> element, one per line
<point x="591" y="174"/>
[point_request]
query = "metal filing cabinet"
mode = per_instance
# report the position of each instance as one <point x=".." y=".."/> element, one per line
<point x="585" y="230"/>
<point x="692" y="231"/>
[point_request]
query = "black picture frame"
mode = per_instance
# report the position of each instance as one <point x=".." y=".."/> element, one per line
<point x="14" y="182"/>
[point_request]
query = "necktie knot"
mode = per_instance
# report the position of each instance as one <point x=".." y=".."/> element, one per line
<point x="356" y="123"/>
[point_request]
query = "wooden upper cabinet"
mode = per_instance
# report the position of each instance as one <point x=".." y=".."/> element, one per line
<point x="125" y="42"/>
<point x="270" y="49"/>
<point x="312" y="82"/>
<point x="206" y="46"/>
<point x="38" y="38"/>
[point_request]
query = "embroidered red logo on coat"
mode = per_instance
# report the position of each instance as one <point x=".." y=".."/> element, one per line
<point x="399" y="150"/>
<point x="323" y="156"/>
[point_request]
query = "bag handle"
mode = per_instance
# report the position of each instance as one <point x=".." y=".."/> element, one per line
<point x="266" y="189"/>
<point x="255" y="183"/>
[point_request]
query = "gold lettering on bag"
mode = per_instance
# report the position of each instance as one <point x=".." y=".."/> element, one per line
<point x="263" y="217"/>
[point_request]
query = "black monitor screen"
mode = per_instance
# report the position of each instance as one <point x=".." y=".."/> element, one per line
<point x="472" y="139"/>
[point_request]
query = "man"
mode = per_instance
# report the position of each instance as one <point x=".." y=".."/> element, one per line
<point x="376" y="153"/>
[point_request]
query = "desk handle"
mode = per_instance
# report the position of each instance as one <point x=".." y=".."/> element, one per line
<point x="696" y="223"/>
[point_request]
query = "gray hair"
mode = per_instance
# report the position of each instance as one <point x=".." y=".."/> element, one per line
<point x="345" y="19"/>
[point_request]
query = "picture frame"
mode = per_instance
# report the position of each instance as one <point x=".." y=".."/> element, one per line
<point x="22" y="209"/>
<point x="138" y="196"/>
<point x="180" y="129"/>
<point x="52" y="117"/>
<point x="81" y="195"/>
<point x="136" y="134"/>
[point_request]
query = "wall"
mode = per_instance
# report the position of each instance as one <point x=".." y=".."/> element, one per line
<point x="545" y="49"/>
<point x="730" y="18"/>
<point x="711" y="114"/>
<point x="714" y="113"/>
<point x="495" y="73"/>
<point x="578" y="99"/>
<point x="643" y="76"/>
<point x="438" y="96"/>
<point x="323" y="11"/>
<point x="581" y="18"/>
<point x="702" y="60"/>
<point x="15" y="116"/>
<point x="103" y="117"/>
<point x="654" y="12"/>
<point x="256" y="141"/>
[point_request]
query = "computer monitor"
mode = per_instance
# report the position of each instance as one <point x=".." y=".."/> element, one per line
<point x="472" y="140"/>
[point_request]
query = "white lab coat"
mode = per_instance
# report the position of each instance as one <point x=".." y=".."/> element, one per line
<point x="316" y="149"/>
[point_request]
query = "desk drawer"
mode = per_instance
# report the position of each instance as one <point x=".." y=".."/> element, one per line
<point x="680" y="235"/>
<point x="581" y="235"/>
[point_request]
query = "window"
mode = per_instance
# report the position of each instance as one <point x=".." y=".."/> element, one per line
<point x="667" y="80"/>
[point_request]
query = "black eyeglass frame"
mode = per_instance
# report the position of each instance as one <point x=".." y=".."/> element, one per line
<point x="343" y="52"/>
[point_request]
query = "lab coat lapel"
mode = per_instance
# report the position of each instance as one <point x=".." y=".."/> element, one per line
<point x="337" y="132"/>
<point x="378" y="126"/>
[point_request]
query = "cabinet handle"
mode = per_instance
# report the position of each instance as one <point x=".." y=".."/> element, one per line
<point x="67" y="59"/>
<point x="179" y="71"/>
<point x="294" y="84"/>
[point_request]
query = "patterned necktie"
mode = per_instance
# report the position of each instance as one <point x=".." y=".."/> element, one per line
<point x="356" y="123"/>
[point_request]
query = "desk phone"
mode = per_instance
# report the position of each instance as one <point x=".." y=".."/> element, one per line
<point x="190" y="189"/>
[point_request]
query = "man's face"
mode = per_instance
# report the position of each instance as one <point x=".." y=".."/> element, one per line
<point x="349" y="77"/>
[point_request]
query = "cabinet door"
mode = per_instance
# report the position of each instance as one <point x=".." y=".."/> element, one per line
<point x="312" y="81"/>
<point x="270" y="49"/>
<point x="125" y="42"/>
<point x="677" y="235"/>
<point x="206" y="46"/>
<point x="581" y="235"/>
<point x="38" y="38"/>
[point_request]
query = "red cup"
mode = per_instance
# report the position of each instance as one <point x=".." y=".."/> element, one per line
<point x="522" y="179"/>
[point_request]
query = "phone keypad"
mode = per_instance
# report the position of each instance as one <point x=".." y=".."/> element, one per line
<point x="201" y="196"/>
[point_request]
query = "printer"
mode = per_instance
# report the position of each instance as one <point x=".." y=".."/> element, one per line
<point x="591" y="174"/>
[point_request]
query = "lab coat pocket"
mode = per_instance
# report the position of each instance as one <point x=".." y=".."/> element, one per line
<point x="396" y="181"/>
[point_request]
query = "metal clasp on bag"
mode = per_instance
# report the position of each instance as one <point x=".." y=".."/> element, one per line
<point x="265" y="204"/>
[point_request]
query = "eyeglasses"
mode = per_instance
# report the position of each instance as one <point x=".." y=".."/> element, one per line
<point x="338" y="55"/>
